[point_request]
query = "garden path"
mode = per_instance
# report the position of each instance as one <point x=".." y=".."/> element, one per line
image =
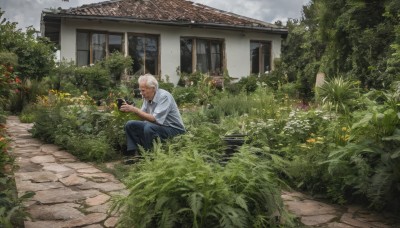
<point x="70" y="193"/>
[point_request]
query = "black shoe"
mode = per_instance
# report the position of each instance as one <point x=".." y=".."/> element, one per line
<point x="131" y="153"/>
<point x="132" y="160"/>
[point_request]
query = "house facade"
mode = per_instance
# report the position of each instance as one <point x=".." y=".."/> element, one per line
<point x="165" y="37"/>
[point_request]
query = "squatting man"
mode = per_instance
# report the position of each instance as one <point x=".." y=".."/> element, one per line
<point x="159" y="114"/>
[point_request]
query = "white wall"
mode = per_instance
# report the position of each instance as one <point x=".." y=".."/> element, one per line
<point x="237" y="43"/>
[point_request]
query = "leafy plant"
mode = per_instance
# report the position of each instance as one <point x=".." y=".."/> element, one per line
<point x="182" y="190"/>
<point x="117" y="63"/>
<point x="338" y="94"/>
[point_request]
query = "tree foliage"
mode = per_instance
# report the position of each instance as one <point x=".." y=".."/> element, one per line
<point x="35" y="54"/>
<point x="358" y="39"/>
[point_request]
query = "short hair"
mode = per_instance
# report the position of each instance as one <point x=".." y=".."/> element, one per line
<point x="149" y="79"/>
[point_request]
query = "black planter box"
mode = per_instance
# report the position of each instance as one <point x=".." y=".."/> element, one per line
<point x="233" y="143"/>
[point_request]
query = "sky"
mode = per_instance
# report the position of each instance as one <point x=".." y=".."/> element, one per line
<point x="27" y="12"/>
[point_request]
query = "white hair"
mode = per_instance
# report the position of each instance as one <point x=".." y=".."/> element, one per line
<point x="149" y="79"/>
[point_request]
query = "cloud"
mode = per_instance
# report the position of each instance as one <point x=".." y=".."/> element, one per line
<point x="27" y="12"/>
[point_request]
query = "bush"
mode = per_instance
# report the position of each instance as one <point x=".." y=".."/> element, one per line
<point x="185" y="95"/>
<point x="116" y="63"/>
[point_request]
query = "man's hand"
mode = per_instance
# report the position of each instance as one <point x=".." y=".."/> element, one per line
<point x="129" y="108"/>
<point x="143" y="115"/>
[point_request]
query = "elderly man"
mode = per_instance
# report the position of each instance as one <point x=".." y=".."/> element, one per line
<point x="159" y="113"/>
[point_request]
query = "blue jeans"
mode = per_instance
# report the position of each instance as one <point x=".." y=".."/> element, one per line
<point x="143" y="133"/>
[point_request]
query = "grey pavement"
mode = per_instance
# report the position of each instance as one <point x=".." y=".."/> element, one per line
<point x="71" y="193"/>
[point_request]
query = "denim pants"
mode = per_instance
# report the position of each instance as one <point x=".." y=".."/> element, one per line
<point x="143" y="133"/>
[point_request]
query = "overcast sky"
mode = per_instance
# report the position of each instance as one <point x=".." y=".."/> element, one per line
<point x="27" y="12"/>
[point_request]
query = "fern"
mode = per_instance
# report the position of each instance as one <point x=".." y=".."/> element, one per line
<point x="170" y="189"/>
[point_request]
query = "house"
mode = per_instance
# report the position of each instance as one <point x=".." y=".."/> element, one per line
<point x="165" y="37"/>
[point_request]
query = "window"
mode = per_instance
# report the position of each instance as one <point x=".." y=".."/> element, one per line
<point x="94" y="46"/>
<point x="144" y="51"/>
<point x="260" y="56"/>
<point x="205" y="54"/>
<point x="115" y="43"/>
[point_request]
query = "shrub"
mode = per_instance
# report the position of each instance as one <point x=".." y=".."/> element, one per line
<point x="338" y="94"/>
<point x="185" y="95"/>
<point x="116" y="63"/>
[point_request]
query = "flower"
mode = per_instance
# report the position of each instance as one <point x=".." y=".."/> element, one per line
<point x="311" y="140"/>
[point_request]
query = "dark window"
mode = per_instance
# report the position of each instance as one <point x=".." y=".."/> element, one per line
<point x="115" y="42"/>
<point x="94" y="46"/>
<point x="208" y="55"/>
<point x="186" y="55"/>
<point x="260" y="56"/>
<point x="145" y="53"/>
<point x="98" y="47"/>
<point x="83" y="49"/>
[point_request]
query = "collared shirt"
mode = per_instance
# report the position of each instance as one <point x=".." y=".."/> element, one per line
<point x="164" y="109"/>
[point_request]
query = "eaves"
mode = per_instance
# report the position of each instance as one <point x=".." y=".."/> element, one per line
<point x="190" y="24"/>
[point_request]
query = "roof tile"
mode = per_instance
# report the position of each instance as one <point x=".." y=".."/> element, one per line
<point x="165" y="10"/>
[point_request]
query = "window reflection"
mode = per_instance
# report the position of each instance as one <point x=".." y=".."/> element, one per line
<point x="208" y="55"/>
<point x="144" y="51"/>
<point x="260" y="57"/>
<point x="92" y="46"/>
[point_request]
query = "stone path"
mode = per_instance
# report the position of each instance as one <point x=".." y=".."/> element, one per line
<point x="70" y="193"/>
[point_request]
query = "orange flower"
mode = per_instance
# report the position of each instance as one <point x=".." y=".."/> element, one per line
<point x="311" y="140"/>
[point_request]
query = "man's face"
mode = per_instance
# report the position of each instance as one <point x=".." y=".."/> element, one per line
<point x="147" y="92"/>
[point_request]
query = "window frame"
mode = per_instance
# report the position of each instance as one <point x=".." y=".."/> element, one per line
<point x="261" y="56"/>
<point x="90" y="34"/>
<point x="144" y="36"/>
<point x="209" y="41"/>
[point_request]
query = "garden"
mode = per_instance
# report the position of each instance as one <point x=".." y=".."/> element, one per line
<point x="339" y="141"/>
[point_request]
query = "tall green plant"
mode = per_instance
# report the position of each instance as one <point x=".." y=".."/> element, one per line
<point x="117" y="63"/>
<point x="338" y="94"/>
<point x="182" y="190"/>
<point x="369" y="163"/>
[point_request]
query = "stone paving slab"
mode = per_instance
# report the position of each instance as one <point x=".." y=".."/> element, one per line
<point x="70" y="193"/>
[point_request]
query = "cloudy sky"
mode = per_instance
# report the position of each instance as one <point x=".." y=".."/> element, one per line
<point x="27" y="12"/>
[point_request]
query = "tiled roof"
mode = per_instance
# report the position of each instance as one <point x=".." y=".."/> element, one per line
<point x="166" y="11"/>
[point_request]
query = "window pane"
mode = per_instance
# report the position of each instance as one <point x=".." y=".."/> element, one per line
<point x="82" y="46"/>
<point x="215" y="58"/>
<point x="114" y="43"/>
<point x="186" y="55"/>
<point x="98" y="46"/>
<point x="82" y="41"/>
<point x="255" y="57"/>
<point x="83" y="58"/>
<point x="260" y="56"/>
<point x="151" y="55"/>
<point x="266" y="56"/>
<point x="136" y="51"/>
<point x="202" y="50"/>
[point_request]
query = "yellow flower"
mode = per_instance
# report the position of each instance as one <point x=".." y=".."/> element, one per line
<point x="344" y="129"/>
<point x="311" y="140"/>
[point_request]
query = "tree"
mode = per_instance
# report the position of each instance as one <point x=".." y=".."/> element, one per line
<point x="355" y="39"/>
<point x="35" y="55"/>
